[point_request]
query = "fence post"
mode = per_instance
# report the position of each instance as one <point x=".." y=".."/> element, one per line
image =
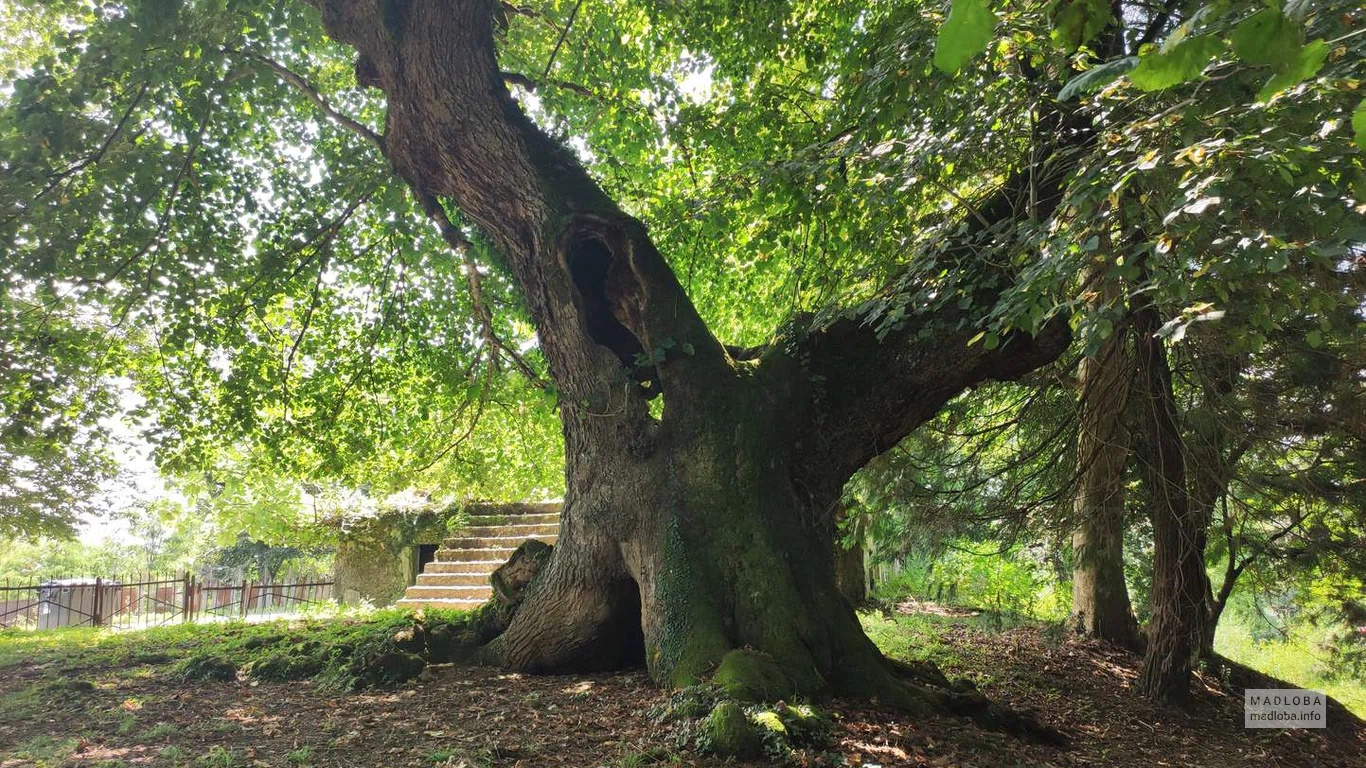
<point x="185" y="597"/>
<point x="95" y="614"/>
<point x="243" y="606"/>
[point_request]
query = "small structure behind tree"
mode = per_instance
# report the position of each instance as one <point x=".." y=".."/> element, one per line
<point x="381" y="558"/>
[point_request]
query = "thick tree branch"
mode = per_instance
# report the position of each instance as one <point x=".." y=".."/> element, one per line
<point x="869" y="393"/>
<point x="872" y="391"/>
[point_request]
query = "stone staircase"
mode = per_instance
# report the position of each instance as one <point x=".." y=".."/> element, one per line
<point x="459" y="576"/>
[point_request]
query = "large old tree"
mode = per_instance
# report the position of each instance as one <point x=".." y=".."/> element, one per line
<point x="740" y="248"/>
<point x="710" y="526"/>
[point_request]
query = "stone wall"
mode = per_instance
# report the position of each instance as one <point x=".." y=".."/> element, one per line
<point x="377" y="560"/>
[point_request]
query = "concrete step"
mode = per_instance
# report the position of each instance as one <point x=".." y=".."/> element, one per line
<point x="450" y="604"/>
<point x="514" y="519"/>
<point x="535" y="508"/>
<point x="459" y="576"/>
<point x="419" y="592"/>
<point x="479" y="566"/>
<point x="471" y="542"/>
<point x="452" y="579"/>
<point x="500" y="554"/>
<point x="510" y="531"/>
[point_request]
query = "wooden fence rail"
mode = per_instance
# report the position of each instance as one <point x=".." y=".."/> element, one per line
<point x="149" y="600"/>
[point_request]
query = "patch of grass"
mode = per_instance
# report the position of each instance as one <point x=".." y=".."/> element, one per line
<point x="301" y="756"/>
<point x="924" y="637"/>
<point x="909" y="638"/>
<point x="171" y="752"/>
<point x="637" y="758"/>
<point x="45" y="750"/>
<point x="216" y="757"/>
<point x="437" y="756"/>
<point x="224" y="725"/>
<point x="62" y="693"/>
<point x="160" y="731"/>
<point x="384" y="649"/>
<point x="1291" y="660"/>
<point x="22" y="704"/>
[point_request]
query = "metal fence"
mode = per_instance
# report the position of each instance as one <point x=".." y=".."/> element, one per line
<point x="150" y="600"/>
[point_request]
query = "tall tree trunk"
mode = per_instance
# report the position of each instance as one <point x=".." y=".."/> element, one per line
<point x="1100" y="598"/>
<point x="1180" y="586"/>
<point x="687" y="538"/>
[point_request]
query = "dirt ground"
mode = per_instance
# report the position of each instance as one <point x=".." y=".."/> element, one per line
<point x="470" y="717"/>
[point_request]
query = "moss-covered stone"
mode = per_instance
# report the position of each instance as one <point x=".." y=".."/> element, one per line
<point x="282" y="666"/>
<point x="374" y="667"/>
<point x="804" y="725"/>
<point x="750" y="675"/>
<point x="689" y="703"/>
<point x="510" y="580"/>
<point x="770" y="721"/>
<point x="392" y="669"/>
<point x="207" y="666"/>
<point x="728" y="731"/>
<point x="411" y="639"/>
<point x="261" y="641"/>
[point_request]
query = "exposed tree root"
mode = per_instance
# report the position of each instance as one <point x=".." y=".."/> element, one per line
<point x="919" y="687"/>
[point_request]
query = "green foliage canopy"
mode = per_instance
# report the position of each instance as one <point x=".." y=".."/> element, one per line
<point x="194" y="200"/>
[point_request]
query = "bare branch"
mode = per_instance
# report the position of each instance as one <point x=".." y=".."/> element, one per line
<point x="307" y="89"/>
<point x="568" y="25"/>
<point x="462" y="246"/>
<point x="514" y="78"/>
<point x="95" y="156"/>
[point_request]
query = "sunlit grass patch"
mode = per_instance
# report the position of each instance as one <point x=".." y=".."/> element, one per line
<point x="1291" y="659"/>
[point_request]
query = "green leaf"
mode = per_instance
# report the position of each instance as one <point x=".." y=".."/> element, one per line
<point x="1183" y="63"/>
<point x="1305" y="65"/>
<point x="1359" y="125"/>
<point x="1267" y="37"/>
<point x="1096" y="78"/>
<point x="966" y="33"/>
<point x="1077" y="22"/>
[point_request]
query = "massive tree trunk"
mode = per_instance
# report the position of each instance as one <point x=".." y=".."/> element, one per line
<point x="708" y="530"/>
<point x="1100" y="598"/>
<point x="1180" y="586"/>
